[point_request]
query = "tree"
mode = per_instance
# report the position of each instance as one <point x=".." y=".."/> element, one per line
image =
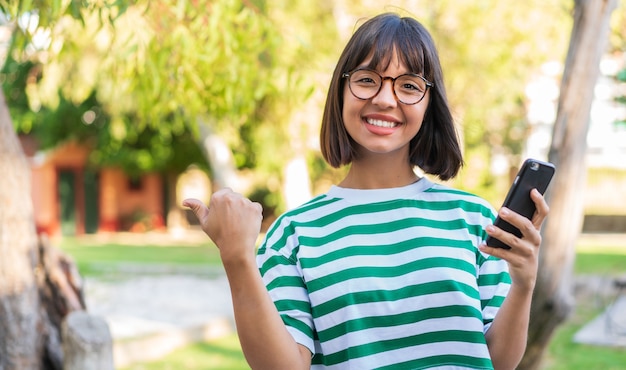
<point x="552" y="298"/>
<point x="157" y="71"/>
<point x="21" y="346"/>
<point x="26" y="341"/>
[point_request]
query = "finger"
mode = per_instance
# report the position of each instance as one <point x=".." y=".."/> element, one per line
<point x="259" y="206"/>
<point x="505" y="237"/>
<point x="525" y="226"/>
<point x="519" y="248"/>
<point x="494" y="251"/>
<point x="492" y="231"/>
<point x="199" y="209"/>
<point x="542" y="208"/>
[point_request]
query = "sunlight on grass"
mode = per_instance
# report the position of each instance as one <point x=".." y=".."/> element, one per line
<point x="93" y="259"/>
<point x="223" y="353"/>
<point x="564" y="354"/>
<point x="603" y="249"/>
<point x="595" y="257"/>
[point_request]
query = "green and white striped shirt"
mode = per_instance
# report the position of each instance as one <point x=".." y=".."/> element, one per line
<point x="386" y="278"/>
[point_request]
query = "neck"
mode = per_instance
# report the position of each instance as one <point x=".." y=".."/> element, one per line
<point x="378" y="175"/>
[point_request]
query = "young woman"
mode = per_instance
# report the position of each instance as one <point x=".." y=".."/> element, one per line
<point x="387" y="270"/>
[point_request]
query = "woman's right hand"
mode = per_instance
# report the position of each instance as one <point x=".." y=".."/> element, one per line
<point x="231" y="220"/>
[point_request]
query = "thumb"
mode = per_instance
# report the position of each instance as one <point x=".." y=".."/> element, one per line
<point x="200" y="210"/>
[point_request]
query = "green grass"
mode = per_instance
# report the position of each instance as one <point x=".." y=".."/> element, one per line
<point x="564" y="354"/>
<point x="96" y="259"/>
<point x="224" y="353"/>
<point x="604" y="260"/>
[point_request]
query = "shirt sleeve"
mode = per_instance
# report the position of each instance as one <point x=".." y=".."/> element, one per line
<point x="493" y="278"/>
<point x="494" y="283"/>
<point x="281" y="273"/>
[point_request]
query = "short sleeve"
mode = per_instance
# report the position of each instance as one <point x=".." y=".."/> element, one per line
<point x="282" y="277"/>
<point x="494" y="283"/>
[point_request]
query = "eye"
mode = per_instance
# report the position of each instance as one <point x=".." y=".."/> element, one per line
<point x="366" y="80"/>
<point x="411" y="85"/>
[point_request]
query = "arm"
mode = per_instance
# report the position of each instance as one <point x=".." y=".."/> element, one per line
<point x="233" y="223"/>
<point x="507" y="336"/>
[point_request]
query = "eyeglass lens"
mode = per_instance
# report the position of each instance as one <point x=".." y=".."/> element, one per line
<point x="409" y="88"/>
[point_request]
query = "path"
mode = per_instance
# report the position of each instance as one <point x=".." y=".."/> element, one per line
<point x="150" y="316"/>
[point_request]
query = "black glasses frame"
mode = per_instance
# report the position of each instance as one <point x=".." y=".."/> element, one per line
<point x="393" y="84"/>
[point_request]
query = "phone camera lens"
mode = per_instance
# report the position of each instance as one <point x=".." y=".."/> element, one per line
<point x="534" y="166"/>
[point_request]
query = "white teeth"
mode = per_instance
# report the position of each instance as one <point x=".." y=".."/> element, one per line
<point x="379" y="123"/>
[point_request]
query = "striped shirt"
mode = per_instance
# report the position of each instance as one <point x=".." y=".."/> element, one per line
<point x="386" y="278"/>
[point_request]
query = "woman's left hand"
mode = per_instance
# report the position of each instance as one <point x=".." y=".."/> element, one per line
<point x="523" y="257"/>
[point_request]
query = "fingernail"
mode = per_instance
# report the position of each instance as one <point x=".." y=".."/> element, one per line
<point x="504" y="212"/>
<point x="490" y="228"/>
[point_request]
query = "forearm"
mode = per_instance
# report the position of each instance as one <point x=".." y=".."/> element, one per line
<point x="265" y="341"/>
<point x="507" y="336"/>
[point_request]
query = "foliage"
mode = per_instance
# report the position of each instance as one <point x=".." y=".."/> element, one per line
<point x="259" y="71"/>
<point x="160" y="59"/>
<point x="146" y="78"/>
<point x="138" y="152"/>
<point x="489" y="51"/>
<point x="163" y="64"/>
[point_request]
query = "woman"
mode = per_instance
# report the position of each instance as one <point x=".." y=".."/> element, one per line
<point x="387" y="269"/>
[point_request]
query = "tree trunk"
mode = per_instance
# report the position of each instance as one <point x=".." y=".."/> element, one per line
<point x="39" y="285"/>
<point x="176" y="221"/>
<point x="60" y="293"/>
<point x="220" y="159"/>
<point x="20" y="320"/>
<point x="553" y="300"/>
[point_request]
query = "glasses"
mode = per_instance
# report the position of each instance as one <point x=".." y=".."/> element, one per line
<point x="408" y="88"/>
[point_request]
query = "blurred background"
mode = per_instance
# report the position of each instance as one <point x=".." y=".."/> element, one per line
<point x="123" y="109"/>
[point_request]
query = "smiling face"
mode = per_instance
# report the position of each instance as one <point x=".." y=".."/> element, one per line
<point x="391" y="45"/>
<point x="381" y="125"/>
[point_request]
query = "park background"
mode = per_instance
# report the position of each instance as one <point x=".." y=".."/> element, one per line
<point x="123" y="109"/>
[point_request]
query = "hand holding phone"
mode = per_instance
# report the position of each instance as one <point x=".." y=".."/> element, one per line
<point x="534" y="174"/>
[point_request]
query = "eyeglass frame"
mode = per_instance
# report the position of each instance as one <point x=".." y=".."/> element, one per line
<point x="382" y="81"/>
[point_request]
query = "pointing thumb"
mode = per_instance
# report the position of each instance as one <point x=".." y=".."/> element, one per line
<point x="200" y="210"/>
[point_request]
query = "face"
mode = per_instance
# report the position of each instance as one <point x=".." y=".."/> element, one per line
<point x="381" y="125"/>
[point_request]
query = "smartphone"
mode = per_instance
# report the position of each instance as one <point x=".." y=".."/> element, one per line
<point x="534" y="174"/>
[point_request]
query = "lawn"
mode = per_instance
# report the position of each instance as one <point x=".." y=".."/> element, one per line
<point x="221" y="354"/>
<point x="97" y="259"/>
<point x="225" y="353"/>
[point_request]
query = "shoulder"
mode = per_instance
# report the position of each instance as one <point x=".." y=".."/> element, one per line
<point x="284" y="227"/>
<point x="462" y="199"/>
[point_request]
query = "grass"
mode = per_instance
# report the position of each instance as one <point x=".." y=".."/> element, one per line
<point x="96" y="259"/>
<point x="564" y="354"/>
<point x="598" y="259"/>
<point x="225" y="353"/>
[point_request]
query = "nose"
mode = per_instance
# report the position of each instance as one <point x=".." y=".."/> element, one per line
<point x="386" y="97"/>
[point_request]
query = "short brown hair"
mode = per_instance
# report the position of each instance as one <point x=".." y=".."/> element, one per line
<point x="435" y="148"/>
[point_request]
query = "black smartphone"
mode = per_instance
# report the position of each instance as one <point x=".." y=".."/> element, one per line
<point x="534" y="174"/>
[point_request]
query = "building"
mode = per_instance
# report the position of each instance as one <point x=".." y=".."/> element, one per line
<point x="70" y="198"/>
